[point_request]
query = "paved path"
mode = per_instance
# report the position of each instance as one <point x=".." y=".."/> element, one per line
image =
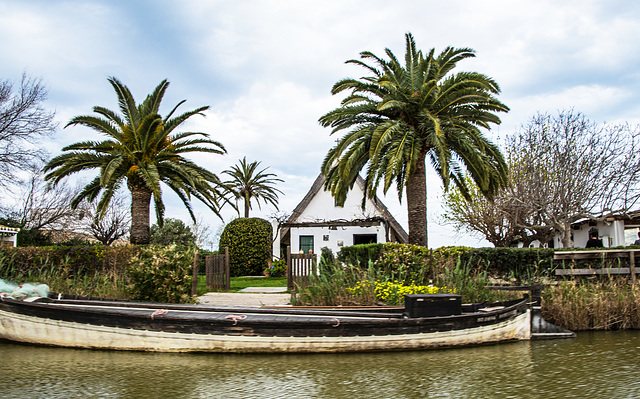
<point x="251" y="297"/>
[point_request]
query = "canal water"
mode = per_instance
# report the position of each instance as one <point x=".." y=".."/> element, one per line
<point x="593" y="365"/>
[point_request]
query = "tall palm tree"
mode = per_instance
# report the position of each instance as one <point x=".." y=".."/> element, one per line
<point x="142" y="149"/>
<point x="402" y="114"/>
<point x="248" y="183"/>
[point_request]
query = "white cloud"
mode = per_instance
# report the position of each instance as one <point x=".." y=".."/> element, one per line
<point x="266" y="68"/>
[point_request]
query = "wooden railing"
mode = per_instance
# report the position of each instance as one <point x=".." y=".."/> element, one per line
<point x="625" y="256"/>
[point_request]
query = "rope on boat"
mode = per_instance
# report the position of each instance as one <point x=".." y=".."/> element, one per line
<point x="159" y="312"/>
<point x="236" y="317"/>
<point x="335" y="320"/>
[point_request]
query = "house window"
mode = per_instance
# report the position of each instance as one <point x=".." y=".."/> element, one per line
<point x="365" y="239"/>
<point x="306" y="244"/>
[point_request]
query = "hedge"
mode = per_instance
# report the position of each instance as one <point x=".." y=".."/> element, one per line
<point x="249" y="242"/>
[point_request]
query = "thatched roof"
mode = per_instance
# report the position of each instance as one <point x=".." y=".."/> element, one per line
<point x="399" y="232"/>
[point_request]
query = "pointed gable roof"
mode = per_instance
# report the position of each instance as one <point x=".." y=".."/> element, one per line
<point x="318" y="185"/>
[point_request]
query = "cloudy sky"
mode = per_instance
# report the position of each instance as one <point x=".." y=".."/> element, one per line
<point x="266" y="68"/>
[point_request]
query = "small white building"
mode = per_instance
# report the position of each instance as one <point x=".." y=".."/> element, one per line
<point x="9" y="236"/>
<point x="318" y="222"/>
<point x="615" y="230"/>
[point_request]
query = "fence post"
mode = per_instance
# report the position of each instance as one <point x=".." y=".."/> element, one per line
<point x="289" y="270"/>
<point x="196" y="264"/>
<point x="227" y="269"/>
<point x="632" y="266"/>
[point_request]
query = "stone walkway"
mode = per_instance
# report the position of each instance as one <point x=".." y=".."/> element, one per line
<point x="249" y="297"/>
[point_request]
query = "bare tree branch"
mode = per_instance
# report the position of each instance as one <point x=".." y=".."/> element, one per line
<point x="23" y="123"/>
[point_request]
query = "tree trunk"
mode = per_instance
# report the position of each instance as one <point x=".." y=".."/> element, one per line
<point x="246" y="206"/>
<point x="140" y="204"/>
<point x="565" y="235"/>
<point x="417" y="203"/>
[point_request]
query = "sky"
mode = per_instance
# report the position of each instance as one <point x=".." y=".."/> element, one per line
<point x="266" y="69"/>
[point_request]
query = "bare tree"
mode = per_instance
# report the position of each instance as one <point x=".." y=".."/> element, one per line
<point x="565" y="168"/>
<point x="39" y="207"/>
<point x="561" y="169"/>
<point x="493" y="218"/>
<point x="202" y="232"/>
<point x="23" y="123"/>
<point x="112" y="225"/>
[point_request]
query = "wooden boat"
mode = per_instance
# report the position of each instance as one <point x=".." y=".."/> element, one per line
<point x="426" y="321"/>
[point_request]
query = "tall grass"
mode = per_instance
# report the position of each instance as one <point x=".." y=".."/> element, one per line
<point x="608" y="303"/>
<point x="332" y="287"/>
<point x="340" y="284"/>
<point x="104" y="279"/>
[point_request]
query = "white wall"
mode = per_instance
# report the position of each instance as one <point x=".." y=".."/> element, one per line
<point x="342" y="237"/>
<point x="611" y="234"/>
<point x="322" y="207"/>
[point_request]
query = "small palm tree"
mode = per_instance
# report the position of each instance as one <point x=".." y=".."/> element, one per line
<point x="248" y="183"/>
<point x="402" y="114"/>
<point x="142" y="150"/>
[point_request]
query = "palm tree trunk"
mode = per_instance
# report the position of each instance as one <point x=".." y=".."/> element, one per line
<point x="417" y="203"/>
<point x="140" y="203"/>
<point x="246" y="206"/>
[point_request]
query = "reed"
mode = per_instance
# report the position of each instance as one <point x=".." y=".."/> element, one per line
<point x="341" y="284"/>
<point x="610" y="303"/>
<point x="333" y="287"/>
<point x="104" y="277"/>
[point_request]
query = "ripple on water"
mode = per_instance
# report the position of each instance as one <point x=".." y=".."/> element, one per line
<point x="594" y="365"/>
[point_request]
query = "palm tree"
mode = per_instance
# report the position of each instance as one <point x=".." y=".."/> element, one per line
<point x="402" y="114"/>
<point x="247" y="184"/>
<point x="142" y="149"/>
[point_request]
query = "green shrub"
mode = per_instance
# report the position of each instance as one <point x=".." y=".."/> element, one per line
<point x="249" y="242"/>
<point x="361" y="254"/>
<point x="277" y="268"/>
<point x="523" y="265"/>
<point x="404" y="263"/>
<point x="162" y="274"/>
<point x="173" y="231"/>
<point x="94" y="270"/>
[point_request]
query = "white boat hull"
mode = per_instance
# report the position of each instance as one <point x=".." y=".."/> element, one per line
<point x="37" y="330"/>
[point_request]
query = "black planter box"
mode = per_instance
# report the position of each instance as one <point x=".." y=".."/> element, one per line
<point x="430" y="305"/>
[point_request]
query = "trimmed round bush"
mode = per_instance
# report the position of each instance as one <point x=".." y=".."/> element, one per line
<point x="249" y="242"/>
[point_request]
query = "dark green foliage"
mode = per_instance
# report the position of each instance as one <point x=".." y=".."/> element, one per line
<point x="173" y="231"/>
<point x="277" y="269"/>
<point x="412" y="263"/>
<point x="249" y="242"/>
<point x="327" y="259"/>
<point x="162" y="274"/>
<point x="521" y="264"/>
<point x="94" y="270"/>
<point x="33" y="238"/>
<point x="360" y="254"/>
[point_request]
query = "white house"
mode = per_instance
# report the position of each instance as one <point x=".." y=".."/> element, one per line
<point x="317" y="222"/>
<point x="8" y="236"/>
<point x="615" y="230"/>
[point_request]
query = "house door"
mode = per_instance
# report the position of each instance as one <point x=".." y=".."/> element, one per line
<point x="365" y="239"/>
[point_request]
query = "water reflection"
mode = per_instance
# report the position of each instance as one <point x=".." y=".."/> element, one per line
<point x="595" y="365"/>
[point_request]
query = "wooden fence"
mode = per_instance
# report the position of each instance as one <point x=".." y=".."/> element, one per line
<point x="626" y="258"/>
<point x="217" y="273"/>
<point x="299" y="268"/>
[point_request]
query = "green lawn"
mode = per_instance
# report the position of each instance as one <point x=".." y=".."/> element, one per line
<point x="238" y="283"/>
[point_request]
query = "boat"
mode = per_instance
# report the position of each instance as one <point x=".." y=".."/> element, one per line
<point x="426" y="321"/>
